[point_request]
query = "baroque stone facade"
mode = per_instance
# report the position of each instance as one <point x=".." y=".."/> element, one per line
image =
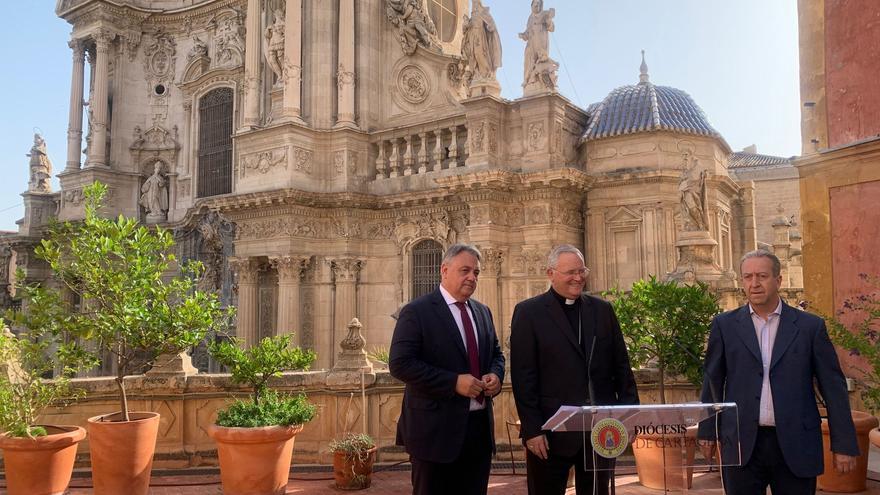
<point x="302" y="164"/>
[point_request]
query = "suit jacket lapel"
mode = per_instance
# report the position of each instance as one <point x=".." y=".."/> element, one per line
<point x="480" y="325"/>
<point x="747" y="332"/>
<point x="448" y="322"/>
<point x="560" y="321"/>
<point x="785" y="334"/>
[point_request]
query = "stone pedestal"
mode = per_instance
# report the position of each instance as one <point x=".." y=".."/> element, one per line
<point x="696" y="260"/>
<point x="173" y="365"/>
<point x="484" y="87"/>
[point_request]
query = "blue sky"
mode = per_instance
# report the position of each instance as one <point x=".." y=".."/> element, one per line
<point x="738" y="60"/>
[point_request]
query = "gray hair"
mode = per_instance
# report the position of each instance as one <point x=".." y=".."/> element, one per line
<point x="456" y="249"/>
<point x="762" y="253"/>
<point x="559" y="250"/>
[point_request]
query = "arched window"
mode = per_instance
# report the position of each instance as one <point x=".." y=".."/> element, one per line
<point x="426" y="258"/>
<point x="443" y="13"/>
<point x="215" y="143"/>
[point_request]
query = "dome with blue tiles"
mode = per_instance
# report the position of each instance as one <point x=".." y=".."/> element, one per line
<point x="645" y="107"/>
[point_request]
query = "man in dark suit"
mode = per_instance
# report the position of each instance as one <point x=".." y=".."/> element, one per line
<point x="764" y="356"/>
<point x="566" y="348"/>
<point x="445" y="349"/>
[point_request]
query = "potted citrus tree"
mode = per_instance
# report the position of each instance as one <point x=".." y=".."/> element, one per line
<point x="255" y="436"/>
<point x="856" y="328"/>
<point x="38" y="458"/>
<point x="131" y="311"/>
<point x="353" y="458"/>
<point x="665" y="325"/>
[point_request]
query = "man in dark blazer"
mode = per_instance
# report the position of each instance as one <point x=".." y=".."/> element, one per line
<point x="445" y="350"/>
<point x="566" y="348"/>
<point x="764" y="357"/>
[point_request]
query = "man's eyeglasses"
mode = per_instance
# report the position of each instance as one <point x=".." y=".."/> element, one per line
<point x="583" y="272"/>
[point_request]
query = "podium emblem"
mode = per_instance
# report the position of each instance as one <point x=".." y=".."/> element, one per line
<point x="609" y="438"/>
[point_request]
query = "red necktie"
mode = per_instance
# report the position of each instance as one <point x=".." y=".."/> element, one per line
<point x="473" y="353"/>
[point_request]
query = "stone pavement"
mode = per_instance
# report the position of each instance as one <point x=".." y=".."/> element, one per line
<point x="396" y="482"/>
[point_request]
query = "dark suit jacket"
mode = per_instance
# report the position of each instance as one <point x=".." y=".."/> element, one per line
<point x="549" y="369"/>
<point x="801" y="352"/>
<point x="428" y="354"/>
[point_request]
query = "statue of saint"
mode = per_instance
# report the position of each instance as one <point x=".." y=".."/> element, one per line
<point x="273" y="44"/>
<point x="692" y="190"/>
<point x="481" y="44"/>
<point x="154" y="195"/>
<point x="540" y="70"/>
<point x="414" y="25"/>
<point x="41" y="167"/>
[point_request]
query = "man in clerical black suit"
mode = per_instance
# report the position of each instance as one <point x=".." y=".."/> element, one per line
<point x="445" y="350"/>
<point x="566" y="348"/>
<point x="765" y="357"/>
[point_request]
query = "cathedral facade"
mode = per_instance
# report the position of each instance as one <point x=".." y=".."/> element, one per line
<point x="319" y="156"/>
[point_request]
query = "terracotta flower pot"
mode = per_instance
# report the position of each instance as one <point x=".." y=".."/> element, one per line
<point x="254" y="461"/>
<point x="42" y="465"/>
<point x="854" y="481"/>
<point x="665" y="461"/>
<point x="353" y="474"/>
<point x="122" y="452"/>
<point x="874" y="437"/>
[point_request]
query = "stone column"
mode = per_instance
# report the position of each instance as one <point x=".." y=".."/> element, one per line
<point x="345" y="74"/>
<point x="345" y="278"/>
<point x="252" y="65"/>
<point x="290" y="270"/>
<point x="247" y="327"/>
<point x="488" y="291"/>
<point x="98" y="103"/>
<point x="74" y="126"/>
<point x="292" y="104"/>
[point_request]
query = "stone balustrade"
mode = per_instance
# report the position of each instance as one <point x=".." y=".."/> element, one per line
<point x="189" y="402"/>
<point x="420" y="149"/>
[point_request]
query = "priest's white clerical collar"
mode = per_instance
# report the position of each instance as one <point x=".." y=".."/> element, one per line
<point x="569" y="302"/>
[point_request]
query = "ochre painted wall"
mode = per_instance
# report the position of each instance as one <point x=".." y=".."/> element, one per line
<point x="852" y="52"/>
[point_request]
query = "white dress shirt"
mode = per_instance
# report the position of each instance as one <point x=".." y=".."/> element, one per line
<point x="766" y="331"/>
<point x="456" y="315"/>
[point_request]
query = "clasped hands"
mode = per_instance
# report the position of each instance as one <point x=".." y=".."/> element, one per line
<point x="471" y="386"/>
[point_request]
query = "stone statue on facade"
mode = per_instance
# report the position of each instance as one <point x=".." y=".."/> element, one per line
<point x="198" y="50"/>
<point x="692" y="191"/>
<point x="414" y="25"/>
<point x="540" y="70"/>
<point x="41" y="167"/>
<point x="481" y="47"/>
<point x="273" y="45"/>
<point x="154" y="195"/>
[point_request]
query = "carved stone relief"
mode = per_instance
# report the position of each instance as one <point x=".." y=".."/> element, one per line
<point x="531" y="262"/>
<point x="413" y="84"/>
<point x="478" y="137"/>
<point x="228" y="39"/>
<point x="159" y="61"/>
<point x="302" y="160"/>
<point x="264" y="161"/>
<point x="307" y="337"/>
<point x="535" y="136"/>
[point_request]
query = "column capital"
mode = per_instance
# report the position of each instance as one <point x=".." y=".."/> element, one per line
<point x="78" y="49"/>
<point x="103" y="39"/>
<point x="290" y="268"/>
<point x="346" y="269"/>
<point x="247" y="269"/>
<point x="492" y="260"/>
